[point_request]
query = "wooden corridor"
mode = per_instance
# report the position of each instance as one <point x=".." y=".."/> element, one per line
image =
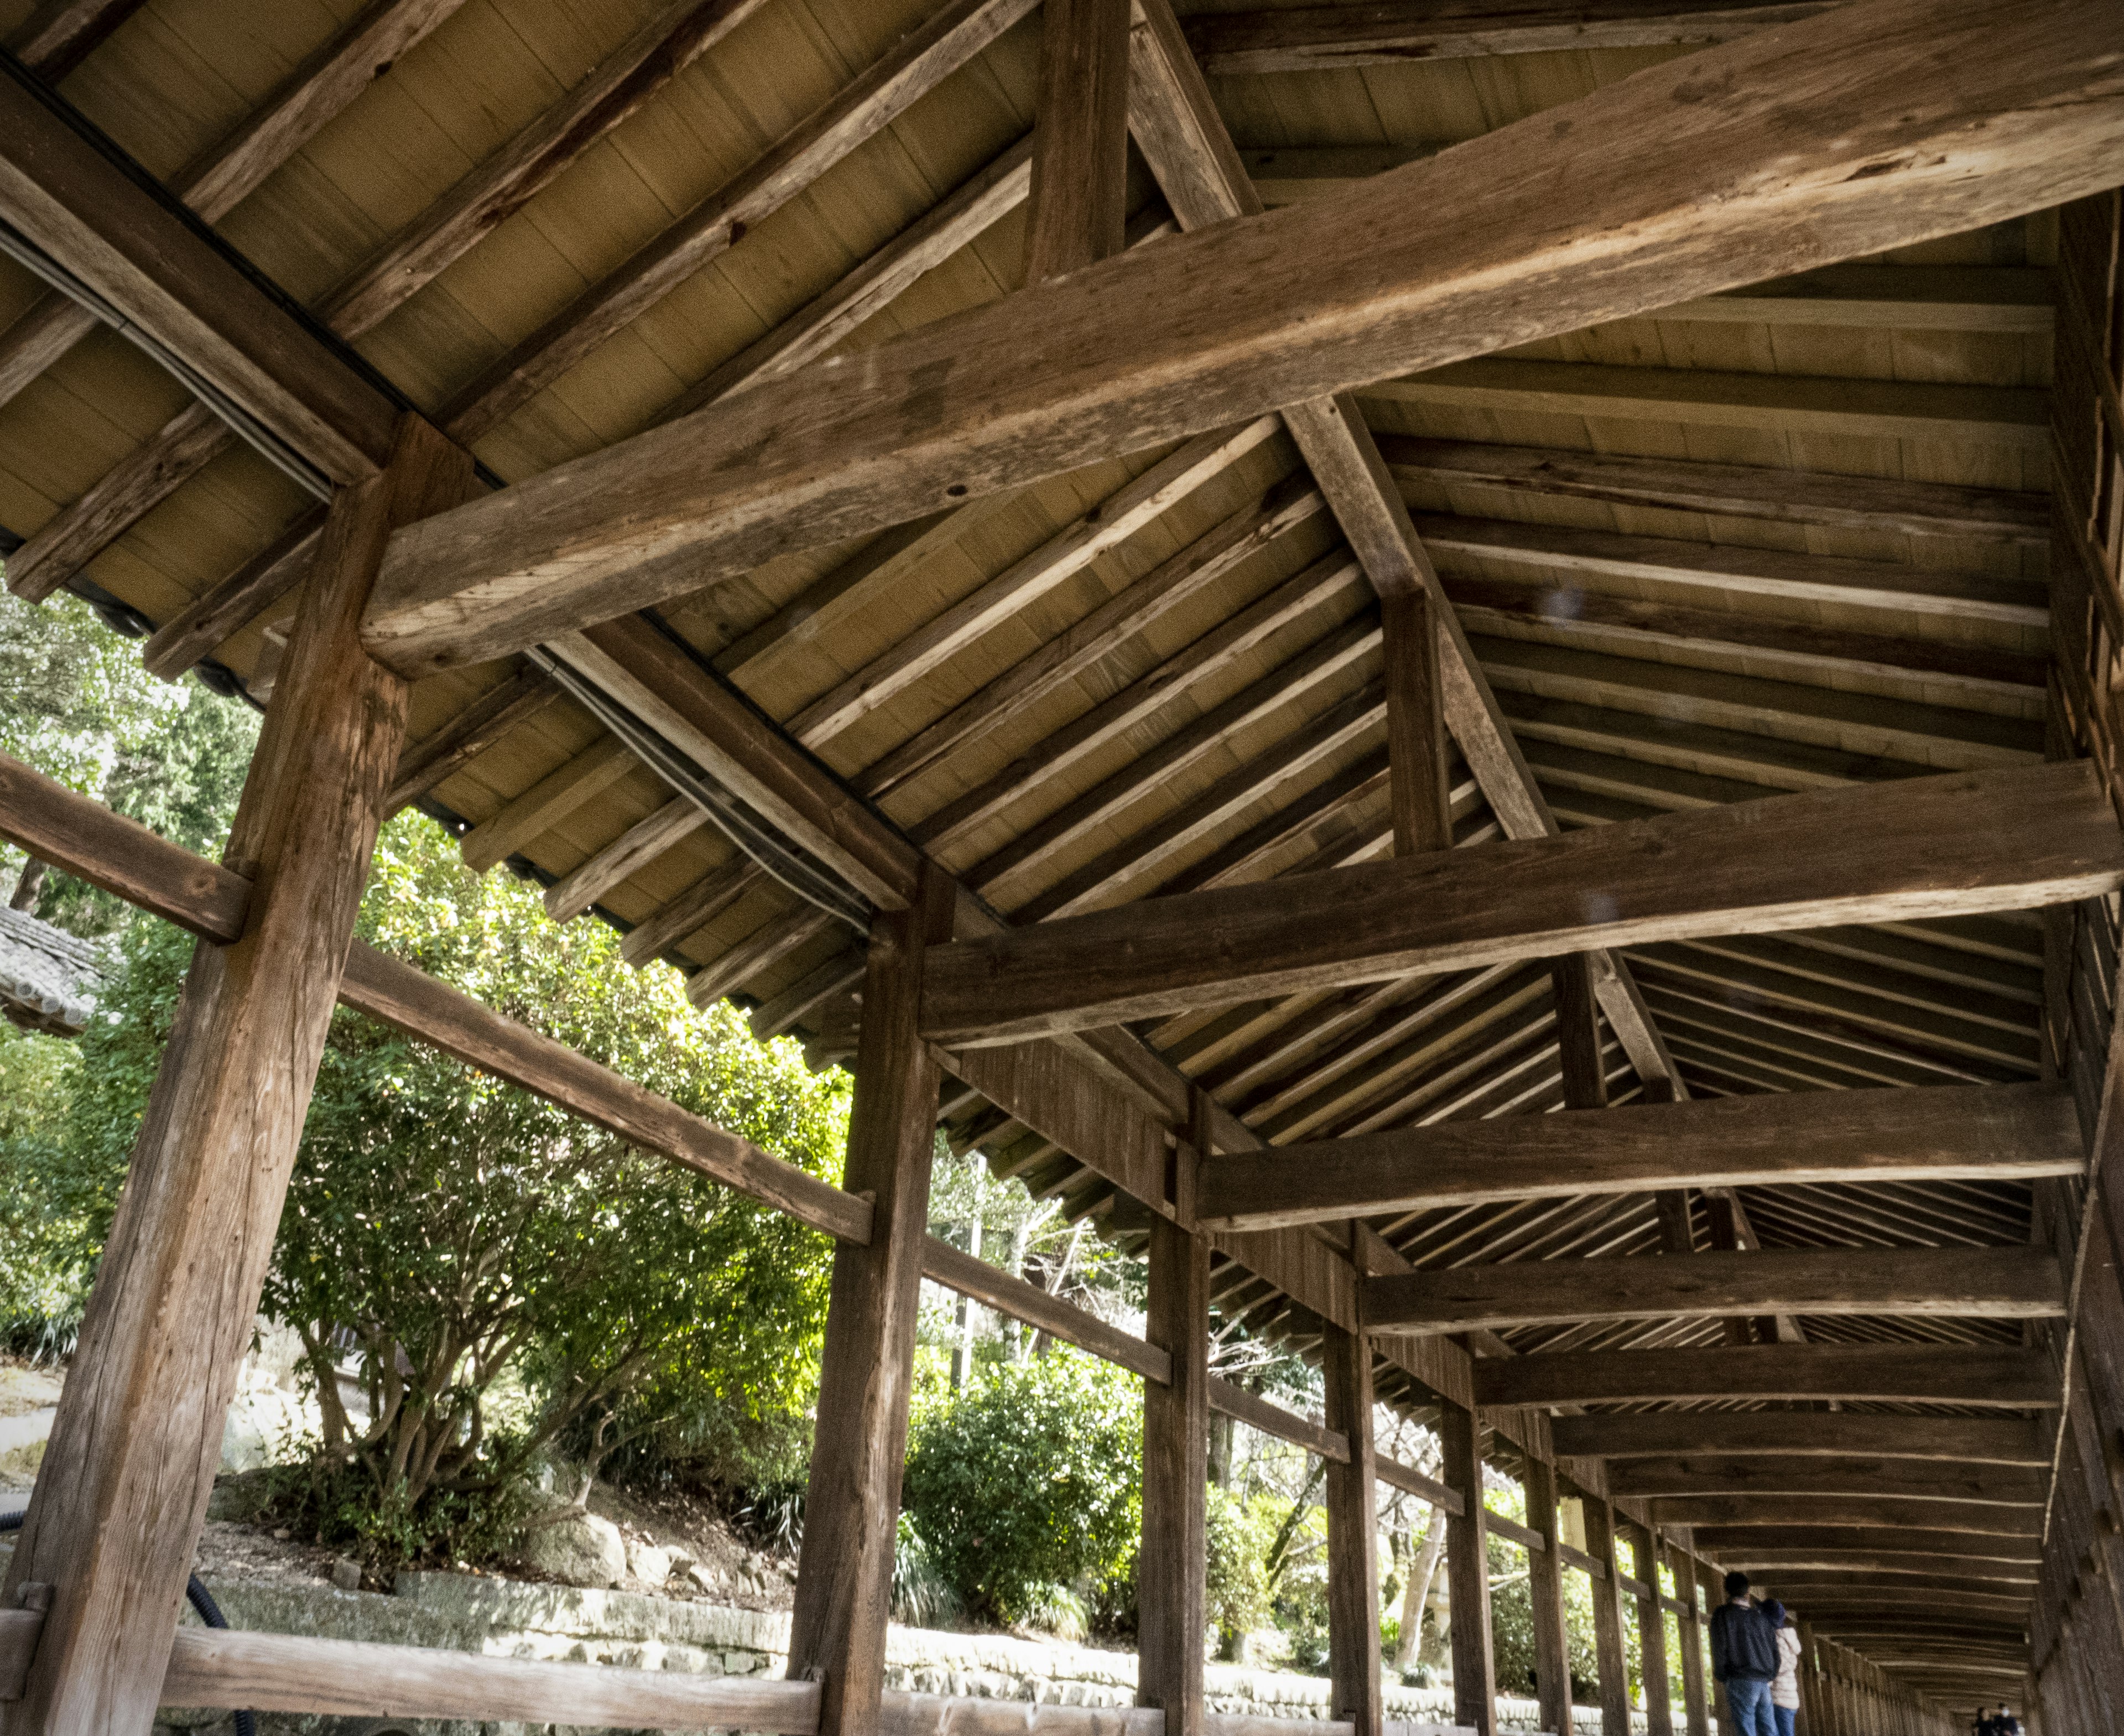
<point x="1454" y="667"/>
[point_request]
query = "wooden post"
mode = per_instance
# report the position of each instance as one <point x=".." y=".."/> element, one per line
<point x="1578" y="1032"/>
<point x="122" y="1495"/>
<point x="1468" y="1572"/>
<point x="1171" y="1565"/>
<point x="1353" y="1564"/>
<point x="1715" y="1594"/>
<point x="1608" y="1619"/>
<point x="852" y="1513"/>
<point x="1698" y="1722"/>
<point x="1552" y="1648"/>
<point x="1419" y="795"/>
<point x="1078" y="204"/>
<point x="1651" y="1637"/>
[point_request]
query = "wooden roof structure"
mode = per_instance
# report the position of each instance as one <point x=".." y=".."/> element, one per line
<point x="1321" y="582"/>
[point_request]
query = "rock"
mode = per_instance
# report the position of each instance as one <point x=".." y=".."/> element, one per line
<point x="701" y="1576"/>
<point x="346" y="1574"/>
<point x="651" y="1565"/>
<point x="580" y="1550"/>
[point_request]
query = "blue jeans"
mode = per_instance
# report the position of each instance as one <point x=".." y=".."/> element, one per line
<point x="1787" y="1717"/>
<point x="1751" y="1703"/>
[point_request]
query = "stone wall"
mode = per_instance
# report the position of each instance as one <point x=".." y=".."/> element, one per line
<point x="510" y="1618"/>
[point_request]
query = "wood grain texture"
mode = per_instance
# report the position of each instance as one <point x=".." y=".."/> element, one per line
<point x="1845" y="1512"/>
<point x="1610" y="1665"/>
<point x="1939" y="1133"/>
<point x="866" y="1376"/>
<point x="547" y="802"/>
<point x="137" y="1436"/>
<point x="1172" y="1564"/>
<point x="207" y="622"/>
<point x="1551" y="1647"/>
<point x="1318" y="39"/>
<point x="1957" y="1374"/>
<point x="60" y="34"/>
<point x="1658" y="195"/>
<point x="286" y="1672"/>
<point x="1230" y="1400"/>
<point x="1079" y="187"/>
<point x="1961" y="843"/>
<point x="1353" y="1536"/>
<point x="1419" y="791"/>
<point x="1695" y="1718"/>
<point x="955" y="1269"/>
<point x="1467" y="1573"/>
<point x="1654" y="1433"/>
<point x="437" y="758"/>
<point x="1652" y="1634"/>
<point x="82" y="210"/>
<point x="640" y="845"/>
<point x="1998" y="1283"/>
<point x="1999" y="1485"/>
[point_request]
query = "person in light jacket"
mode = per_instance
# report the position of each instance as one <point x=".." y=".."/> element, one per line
<point x="1784" y="1691"/>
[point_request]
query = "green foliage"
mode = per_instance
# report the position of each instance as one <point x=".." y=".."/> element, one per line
<point x="1511" y="1613"/>
<point x="44" y="1277"/>
<point x="1028" y="1486"/>
<point x="1239" y="1534"/>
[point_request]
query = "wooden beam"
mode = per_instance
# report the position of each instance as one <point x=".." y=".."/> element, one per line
<point x="1652" y="1634"/>
<point x="64" y="196"/>
<point x="1420" y="793"/>
<point x="1172" y="1559"/>
<point x="59" y="35"/>
<point x="1930" y="1374"/>
<point x="1552" y="1645"/>
<point x="971" y="1276"/>
<point x="1227" y="1400"/>
<point x="1963" y="844"/>
<point x="1467" y="1573"/>
<point x="2007" y="1484"/>
<point x="1690" y="1631"/>
<point x="1998" y="1283"/>
<point x="1115" y="356"/>
<point x="1611" y="1668"/>
<point x="1991" y="1132"/>
<point x="1320" y="38"/>
<point x="852" y="1513"/>
<point x="1713" y="1511"/>
<point x="138" y="1436"/>
<point x="1660" y="1433"/>
<point x="1079" y="138"/>
<point x="1353" y="1530"/>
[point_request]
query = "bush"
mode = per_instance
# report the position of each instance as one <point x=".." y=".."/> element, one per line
<point x="1237" y="1598"/>
<point x="1028" y="1489"/>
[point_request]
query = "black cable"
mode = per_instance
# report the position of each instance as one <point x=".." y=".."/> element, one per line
<point x="202" y="1600"/>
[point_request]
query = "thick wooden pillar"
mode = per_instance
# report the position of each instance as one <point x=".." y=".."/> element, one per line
<point x="1651" y="1637"/>
<point x="1578" y="1032"/>
<point x="1353" y="1539"/>
<point x="852" y="1513"/>
<point x="1079" y="199"/>
<point x="1552" y="1648"/>
<point x="1419" y="796"/>
<point x="1171" y="1565"/>
<point x="122" y="1495"/>
<point x="1608" y="1619"/>
<point x="1468" y="1572"/>
<point x="1698" y="1721"/>
<point x="1715" y="1594"/>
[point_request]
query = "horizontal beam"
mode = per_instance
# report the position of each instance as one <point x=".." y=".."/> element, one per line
<point x="1995" y="1283"/>
<point x="2001" y="1375"/>
<point x="1324" y="38"/>
<point x="2005" y="1485"/>
<point x="1961" y="845"/>
<point x="1647" y="1433"/>
<point x="1512" y="1531"/>
<point x="1850" y="1511"/>
<point x="1922" y="1562"/>
<point x="1737" y="1545"/>
<point x="955" y="1269"/>
<point x="2009" y="1132"/>
<point x="1228" y="1399"/>
<point x="1983" y="110"/>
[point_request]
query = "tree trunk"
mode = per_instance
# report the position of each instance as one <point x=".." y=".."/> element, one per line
<point x="1418" y="1592"/>
<point x="30" y="885"/>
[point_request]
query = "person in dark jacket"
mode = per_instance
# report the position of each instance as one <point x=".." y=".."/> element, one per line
<point x="1744" y="1656"/>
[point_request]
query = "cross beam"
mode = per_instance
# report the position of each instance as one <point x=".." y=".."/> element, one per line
<point x="1953" y="1133"/>
<point x="1959" y="844"/>
<point x="1875" y="125"/>
<point x="1944" y="1374"/>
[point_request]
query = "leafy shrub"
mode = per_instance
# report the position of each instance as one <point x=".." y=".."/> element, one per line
<point x="1030" y="1485"/>
<point x="1237" y="1600"/>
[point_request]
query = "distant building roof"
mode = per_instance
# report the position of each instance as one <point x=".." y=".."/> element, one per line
<point x="48" y="978"/>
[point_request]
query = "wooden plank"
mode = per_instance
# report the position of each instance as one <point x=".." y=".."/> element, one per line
<point x="547" y="802"/>
<point x="137" y="1440"/>
<point x="1961" y="843"/>
<point x="19" y="1629"/>
<point x="60" y="34"/>
<point x="1845" y="1511"/>
<point x="1737" y="1544"/>
<point x="210" y="619"/>
<point x="1795" y="1138"/>
<point x="1730" y="490"/>
<point x="1116" y="357"/>
<point x="1726" y="1432"/>
<point x="1172" y="1562"/>
<point x="64" y="196"/>
<point x="1578" y="1033"/>
<point x="497" y="712"/>
<point x="640" y="845"/>
<point x="1525" y="1535"/>
<point x="1420" y="793"/>
<point x="85" y="838"/>
<point x="912" y="67"/>
<point x="1904" y="1479"/>
<point x="1690" y="1632"/>
<point x="1406" y="1477"/>
<point x="955" y="1269"/>
<point x="851" y="1511"/>
<point x="1552" y="1646"/>
<point x="1353" y="1683"/>
<point x="287" y="1672"/>
<point x="1227" y="1400"/>
<point x="1609" y="1666"/>
<point x="1946" y="1374"/>
<point x="381" y="987"/>
<point x="1998" y="1283"/>
<point x="1467" y="1574"/>
<point x="1054" y="1093"/>
<point x="1318" y="39"/>
<point x="1080" y="188"/>
<point x="1652" y="1634"/>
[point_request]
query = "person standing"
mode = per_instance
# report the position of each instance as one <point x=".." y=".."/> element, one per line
<point x="1744" y="1656"/>
<point x="1784" y="1690"/>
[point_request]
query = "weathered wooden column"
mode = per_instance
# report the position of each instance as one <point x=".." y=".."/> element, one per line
<point x="1078" y="207"/>
<point x="1552" y="1648"/>
<point x="1468" y="1572"/>
<point x="1698" y="1722"/>
<point x="1172" y="1566"/>
<point x="1353" y="1542"/>
<point x="122" y="1495"/>
<point x="859" y="1449"/>
<point x="1578" y="1032"/>
<point x="1608" y="1619"/>
<point x="1715" y="1594"/>
<point x="1652" y="1636"/>
<point x="1419" y="796"/>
